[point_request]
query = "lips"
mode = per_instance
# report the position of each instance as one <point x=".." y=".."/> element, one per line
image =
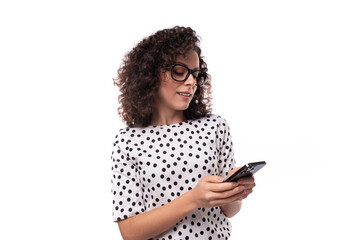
<point x="187" y="93"/>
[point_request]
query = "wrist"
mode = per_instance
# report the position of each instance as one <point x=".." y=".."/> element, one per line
<point x="189" y="196"/>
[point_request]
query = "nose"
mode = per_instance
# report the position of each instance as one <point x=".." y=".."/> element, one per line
<point x="191" y="79"/>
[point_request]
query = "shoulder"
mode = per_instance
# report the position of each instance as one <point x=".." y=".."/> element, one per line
<point x="220" y="121"/>
<point x="122" y="143"/>
<point x="217" y="123"/>
<point x="122" y="137"/>
<point x="222" y="126"/>
<point x="213" y="117"/>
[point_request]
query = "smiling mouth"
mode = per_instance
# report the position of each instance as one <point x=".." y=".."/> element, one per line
<point x="184" y="94"/>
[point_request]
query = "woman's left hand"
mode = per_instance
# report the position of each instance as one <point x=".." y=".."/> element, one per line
<point x="247" y="182"/>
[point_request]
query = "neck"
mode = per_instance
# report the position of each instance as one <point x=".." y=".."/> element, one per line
<point x="166" y="119"/>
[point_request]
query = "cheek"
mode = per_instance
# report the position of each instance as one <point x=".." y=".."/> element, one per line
<point x="167" y="94"/>
<point x="168" y="89"/>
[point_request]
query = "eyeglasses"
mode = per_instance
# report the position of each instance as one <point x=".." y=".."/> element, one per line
<point x="180" y="72"/>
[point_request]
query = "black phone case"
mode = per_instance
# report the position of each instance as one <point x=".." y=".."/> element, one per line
<point x="246" y="171"/>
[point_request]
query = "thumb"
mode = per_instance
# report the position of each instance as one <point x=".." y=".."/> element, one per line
<point x="217" y="178"/>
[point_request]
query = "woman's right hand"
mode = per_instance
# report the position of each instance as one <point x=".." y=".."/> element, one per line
<point x="212" y="192"/>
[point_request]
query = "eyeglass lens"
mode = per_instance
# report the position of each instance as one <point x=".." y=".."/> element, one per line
<point x="180" y="72"/>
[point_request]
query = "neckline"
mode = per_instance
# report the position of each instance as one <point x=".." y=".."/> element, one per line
<point x="169" y="125"/>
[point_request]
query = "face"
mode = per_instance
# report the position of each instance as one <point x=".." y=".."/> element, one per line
<point x="168" y="97"/>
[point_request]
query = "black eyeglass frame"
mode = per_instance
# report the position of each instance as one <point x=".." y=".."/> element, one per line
<point x="190" y="71"/>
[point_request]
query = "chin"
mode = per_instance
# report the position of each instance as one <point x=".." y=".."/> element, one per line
<point x="181" y="106"/>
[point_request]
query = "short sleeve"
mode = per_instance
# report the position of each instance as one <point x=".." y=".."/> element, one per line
<point x="226" y="160"/>
<point x="126" y="192"/>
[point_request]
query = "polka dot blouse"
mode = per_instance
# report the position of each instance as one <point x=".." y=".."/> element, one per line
<point x="153" y="165"/>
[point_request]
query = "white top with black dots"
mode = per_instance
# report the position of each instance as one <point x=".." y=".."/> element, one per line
<point x="153" y="165"/>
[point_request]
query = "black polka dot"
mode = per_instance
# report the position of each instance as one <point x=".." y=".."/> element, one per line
<point x="151" y="166"/>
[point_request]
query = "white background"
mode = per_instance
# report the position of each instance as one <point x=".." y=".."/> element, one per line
<point x="285" y="76"/>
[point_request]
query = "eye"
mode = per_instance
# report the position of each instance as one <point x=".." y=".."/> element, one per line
<point x="179" y="73"/>
<point x="179" y="70"/>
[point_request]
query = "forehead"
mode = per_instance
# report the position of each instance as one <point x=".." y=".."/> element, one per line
<point x="191" y="59"/>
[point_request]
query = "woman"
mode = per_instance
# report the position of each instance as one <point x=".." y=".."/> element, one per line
<point x="169" y="163"/>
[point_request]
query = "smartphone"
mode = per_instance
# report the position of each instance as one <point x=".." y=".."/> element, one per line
<point x="246" y="171"/>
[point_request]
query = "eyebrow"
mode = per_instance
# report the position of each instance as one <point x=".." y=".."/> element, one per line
<point x="188" y="66"/>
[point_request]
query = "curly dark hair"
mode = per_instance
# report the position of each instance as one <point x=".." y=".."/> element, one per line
<point x="138" y="79"/>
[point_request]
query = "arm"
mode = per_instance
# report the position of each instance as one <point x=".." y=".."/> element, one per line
<point x="231" y="209"/>
<point x="158" y="220"/>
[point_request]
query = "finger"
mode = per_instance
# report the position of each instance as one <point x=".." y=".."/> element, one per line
<point x="248" y="186"/>
<point x="246" y="180"/>
<point x="230" y="185"/>
<point x="224" y="186"/>
<point x="242" y="195"/>
<point x="246" y="194"/>
<point x="214" y="179"/>
<point x="226" y="200"/>
<point x="228" y="193"/>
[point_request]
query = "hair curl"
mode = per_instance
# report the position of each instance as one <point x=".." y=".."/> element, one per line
<point x="138" y="79"/>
